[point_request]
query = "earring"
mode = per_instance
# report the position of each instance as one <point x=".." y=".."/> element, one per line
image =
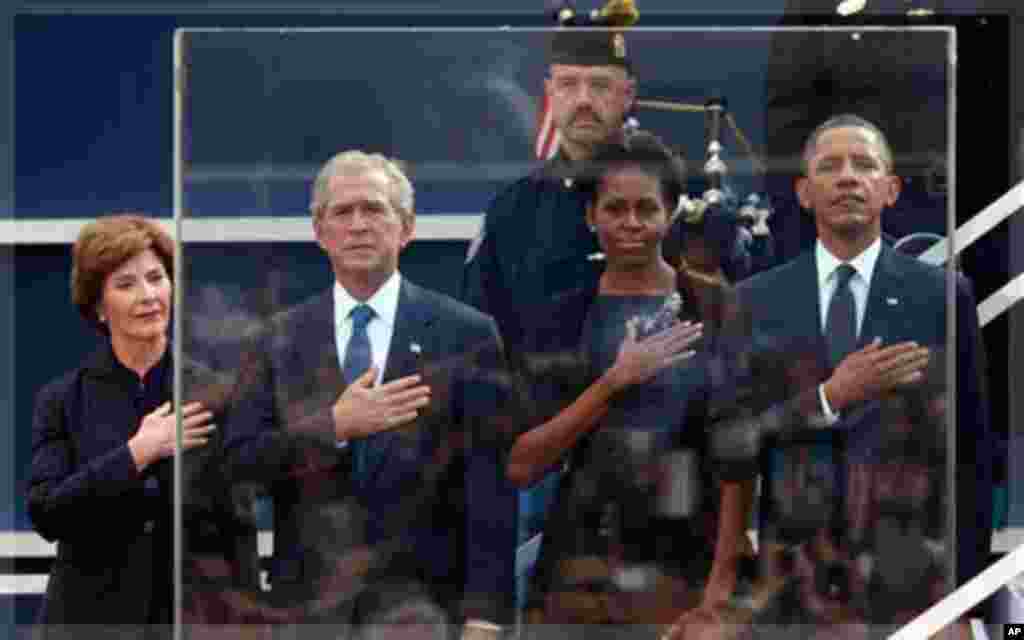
<point x="592" y="228"/>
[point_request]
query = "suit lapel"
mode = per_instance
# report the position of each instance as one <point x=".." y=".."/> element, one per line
<point x="409" y="342"/>
<point x="317" y="350"/>
<point x="810" y="313"/>
<point x="787" y="316"/>
<point x="883" y="314"/>
<point x="801" y="313"/>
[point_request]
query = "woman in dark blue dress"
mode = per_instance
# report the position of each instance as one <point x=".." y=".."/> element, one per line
<point x="103" y="439"/>
<point x="618" y="373"/>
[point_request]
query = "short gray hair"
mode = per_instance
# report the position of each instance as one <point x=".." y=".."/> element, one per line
<point x="355" y="162"/>
<point x="846" y="120"/>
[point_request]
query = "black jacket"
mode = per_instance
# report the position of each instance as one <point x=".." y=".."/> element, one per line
<point x="114" y="532"/>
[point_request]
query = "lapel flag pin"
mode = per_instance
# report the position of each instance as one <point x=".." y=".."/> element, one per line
<point x="892" y="302"/>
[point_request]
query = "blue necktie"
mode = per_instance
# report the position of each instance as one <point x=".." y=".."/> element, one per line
<point x="841" y="336"/>
<point x="358" y="357"/>
<point x="841" y="322"/>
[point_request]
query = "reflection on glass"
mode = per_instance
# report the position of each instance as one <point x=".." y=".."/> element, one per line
<point x="851" y="523"/>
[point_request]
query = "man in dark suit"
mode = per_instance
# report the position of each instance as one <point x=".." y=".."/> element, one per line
<point x="371" y="415"/>
<point x="844" y="357"/>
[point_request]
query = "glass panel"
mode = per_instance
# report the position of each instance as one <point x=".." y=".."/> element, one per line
<point x="298" y="517"/>
<point x="12" y="512"/>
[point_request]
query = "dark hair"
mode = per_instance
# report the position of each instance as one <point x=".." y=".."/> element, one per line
<point x="105" y="244"/>
<point x="642" y="150"/>
<point x="840" y="122"/>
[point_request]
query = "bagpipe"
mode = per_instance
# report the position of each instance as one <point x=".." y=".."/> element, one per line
<point x="717" y="231"/>
<point x="718" y="198"/>
<point x="718" y="226"/>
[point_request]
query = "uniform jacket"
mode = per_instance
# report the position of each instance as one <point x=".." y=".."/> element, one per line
<point x="534" y="245"/>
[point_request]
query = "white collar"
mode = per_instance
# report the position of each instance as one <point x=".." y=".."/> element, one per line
<point x="384" y="301"/>
<point x="864" y="263"/>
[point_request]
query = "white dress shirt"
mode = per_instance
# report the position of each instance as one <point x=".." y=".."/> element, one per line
<point x="863" y="264"/>
<point x="381" y="327"/>
<point x="860" y="282"/>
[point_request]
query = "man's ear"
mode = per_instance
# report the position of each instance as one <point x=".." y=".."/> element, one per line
<point x="408" y="230"/>
<point x="800" y="185"/>
<point x="630" y="92"/>
<point x="589" y="215"/>
<point x="316" y="231"/>
<point x="894" y="187"/>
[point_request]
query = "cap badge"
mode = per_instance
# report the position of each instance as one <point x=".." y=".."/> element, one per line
<point x="619" y="45"/>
